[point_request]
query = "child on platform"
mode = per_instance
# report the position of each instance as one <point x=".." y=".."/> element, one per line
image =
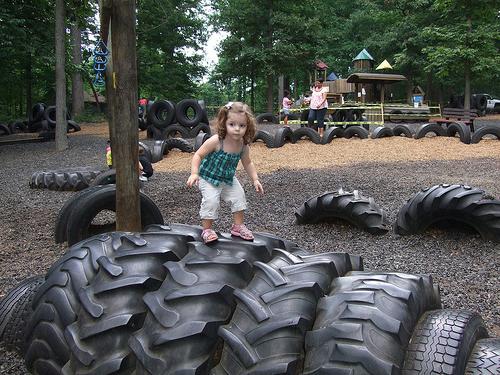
<point x="214" y="165"/>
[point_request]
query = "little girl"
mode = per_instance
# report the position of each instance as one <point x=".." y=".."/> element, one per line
<point x="214" y="165"/>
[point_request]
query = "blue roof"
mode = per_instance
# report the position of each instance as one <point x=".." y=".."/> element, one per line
<point x="332" y="77"/>
<point x="363" y="55"/>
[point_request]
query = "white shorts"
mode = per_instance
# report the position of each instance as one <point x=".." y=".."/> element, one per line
<point x="211" y="196"/>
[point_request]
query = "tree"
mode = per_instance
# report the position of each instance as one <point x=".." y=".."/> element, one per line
<point x="61" y="121"/>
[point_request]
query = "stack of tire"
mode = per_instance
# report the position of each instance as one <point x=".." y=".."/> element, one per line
<point x="186" y="119"/>
<point x="42" y="119"/>
<point x="163" y="302"/>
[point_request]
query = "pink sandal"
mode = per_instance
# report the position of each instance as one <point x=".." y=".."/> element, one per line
<point x="209" y="236"/>
<point x="240" y="230"/>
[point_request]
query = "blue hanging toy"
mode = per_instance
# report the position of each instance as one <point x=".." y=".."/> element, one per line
<point x="100" y="60"/>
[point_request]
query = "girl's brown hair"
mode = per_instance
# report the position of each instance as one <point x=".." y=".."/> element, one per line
<point x="237" y="107"/>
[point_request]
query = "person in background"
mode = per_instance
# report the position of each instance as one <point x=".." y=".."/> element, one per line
<point x="213" y="169"/>
<point x="145" y="166"/>
<point x="318" y="107"/>
<point x="287" y="104"/>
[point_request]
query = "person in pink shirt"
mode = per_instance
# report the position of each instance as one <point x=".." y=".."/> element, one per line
<point x="317" y="107"/>
<point x="287" y="104"/>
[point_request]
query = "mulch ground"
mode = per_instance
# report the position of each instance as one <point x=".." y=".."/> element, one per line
<point x="390" y="170"/>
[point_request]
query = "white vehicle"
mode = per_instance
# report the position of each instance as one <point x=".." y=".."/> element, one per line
<point x="493" y="104"/>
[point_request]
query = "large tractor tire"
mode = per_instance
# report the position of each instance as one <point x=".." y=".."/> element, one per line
<point x="443" y="341"/>
<point x="15" y="312"/>
<point x="365" y="324"/>
<point x="180" y="329"/>
<point x="105" y="178"/>
<point x="353" y="207"/>
<point x="274" y="312"/>
<point x="81" y="224"/>
<point x="458" y="203"/>
<point x="70" y="179"/>
<point x="84" y="282"/>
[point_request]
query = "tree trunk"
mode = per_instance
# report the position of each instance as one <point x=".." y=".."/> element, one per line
<point x="61" y="122"/>
<point x="467" y="71"/>
<point x="29" y="84"/>
<point x="76" y="79"/>
<point x="125" y="138"/>
<point x="269" y="80"/>
<point x="269" y="77"/>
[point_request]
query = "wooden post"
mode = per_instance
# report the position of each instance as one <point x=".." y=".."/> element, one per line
<point x="122" y="108"/>
<point x="61" y="121"/>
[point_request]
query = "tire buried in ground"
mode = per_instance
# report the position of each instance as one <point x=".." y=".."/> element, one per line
<point x="282" y="135"/>
<point x="461" y="129"/>
<point x="265" y="137"/>
<point x="105" y="178"/>
<point x="402" y="130"/>
<point x="365" y="323"/>
<point x="443" y="340"/>
<point x="70" y="179"/>
<point x="431" y="127"/>
<point x="381" y="132"/>
<point x="485" y="130"/>
<point x="353" y="207"/>
<point x="305" y="132"/>
<point x="89" y="206"/>
<point x="199" y="140"/>
<point x="332" y="132"/>
<point x="355" y="131"/>
<point x="456" y="203"/>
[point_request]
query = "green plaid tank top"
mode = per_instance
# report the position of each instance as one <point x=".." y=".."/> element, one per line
<point x="219" y="166"/>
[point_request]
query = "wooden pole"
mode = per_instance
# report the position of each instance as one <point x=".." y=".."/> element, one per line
<point x="61" y="121"/>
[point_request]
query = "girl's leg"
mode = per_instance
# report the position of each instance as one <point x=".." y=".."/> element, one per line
<point x="311" y="118"/>
<point x="209" y="209"/>
<point x="239" y="217"/>
<point x="207" y="223"/>
<point x="235" y="195"/>
<point x="321" y="121"/>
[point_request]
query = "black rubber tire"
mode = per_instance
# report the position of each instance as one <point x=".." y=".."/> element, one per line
<point x="204" y="118"/>
<point x="332" y="132"/>
<point x="70" y="179"/>
<point x="145" y="150"/>
<point x="153" y="132"/>
<point x="200" y="128"/>
<point x="442" y="342"/>
<point x="61" y="299"/>
<point x="394" y="120"/>
<point x="15" y="312"/>
<point x="485" y="358"/>
<point x="18" y="127"/>
<point x="358" y="131"/>
<point x="282" y="135"/>
<point x="461" y="129"/>
<point x="178" y="143"/>
<point x="431" y="127"/>
<point x="4" y="130"/>
<point x="162" y="113"/>
<point x="450" y="203"/>
<point x="340" y="115"/>
<point x="402" y="130"/>
<point x="49" y="115"/>
<point x="104" y="178"/>
<point x="199" y="140"/>
<point x="485" y="130"/>
<point x="381" y="132"/>
<point x="273" y="313"/>
<point x="182" y="113"/>
<point x="73" y="127"/>
<point x="310" y="133"/>
<point x="265" y="137"/>
<point x="266" y="117"/>
<point x="353" y="207"/>
<point x="142" y="124"/>
<point x="60" y="226"/>
<point x="193" y="301"/>
<point x="158" y="151"/>
<point x="365" y="324"/>
<point x="80" y="226"/>
<point x="36" y="113"/>
<point x="174" y="130"/>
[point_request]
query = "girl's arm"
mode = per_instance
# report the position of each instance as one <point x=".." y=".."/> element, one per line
<point x="250" y="169"/>
<point x="209" y="146"/>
